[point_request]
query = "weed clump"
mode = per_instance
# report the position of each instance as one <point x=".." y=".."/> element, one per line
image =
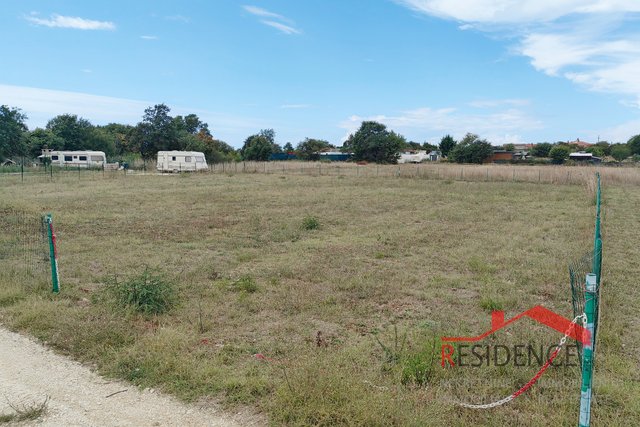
<point x="418" y="368"/>
<point x="310" y="223"/>
<point x="491" y="304"/>
<point x="25" y="412"/>
<point x="245" y="284"/>
<point x="149" y="292"/>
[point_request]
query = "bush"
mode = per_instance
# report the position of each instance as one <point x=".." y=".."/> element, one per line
<point x="418" y="368"/>
<point x="310" y="223"/>
<point x="149" y="293"/>
<point x="471" y="149"/>
<point x="559" y="153"/>
<point x="245" y="284"/>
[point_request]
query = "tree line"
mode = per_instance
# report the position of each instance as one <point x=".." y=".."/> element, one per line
<point x="159" y="130"/>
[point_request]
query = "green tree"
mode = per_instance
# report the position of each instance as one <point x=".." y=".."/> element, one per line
<point x="75" y="131"/>
<point x="605" y="146"/>
<point x="374" y="143"/>
<point x="541" y="149"/>
<point x="39" y="138"/>
<point x="121" y="136"/>
<point x="101" y="140"/>
<point x="429" y="147"/>
<point x="509" y="147"/>
<point x="620" y="152"/>
<point x="412" y="145"/>
<point x="446" y="145"/>
<point x="595" y="150"/>
<point x="471" y="149"/>
<point x="288" y="148"/>
<point x="310" y="148"/>
<point x="559" y="153"/>
<point x="259" y="147"/>
<point x="12" y="132"/>
<point x="158" y="131"/>
<point x="634" y="144"/>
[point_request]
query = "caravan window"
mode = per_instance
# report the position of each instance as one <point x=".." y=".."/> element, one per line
<point x="199" y="159"/>
<point x="187" y="159"/>
<point x="68" y="159"/>
<point x="54" y="157"/>
<point x="97" y="159"/>
<point x="83" y="158"/>
<point x="173" y="159"/>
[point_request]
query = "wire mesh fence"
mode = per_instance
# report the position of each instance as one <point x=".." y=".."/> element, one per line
<point x="24" y="250"/>
<point x="546" y="174"/>
<point x="578" y="271"/>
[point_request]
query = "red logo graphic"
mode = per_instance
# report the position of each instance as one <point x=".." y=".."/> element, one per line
<point x="537" y="313"/>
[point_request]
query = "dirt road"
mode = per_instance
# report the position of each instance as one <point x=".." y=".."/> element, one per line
<point x="29" y="373"/>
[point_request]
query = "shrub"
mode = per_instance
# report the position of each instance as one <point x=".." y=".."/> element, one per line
<point x="149" y="292"/>
<point x="418" y="368"/>
<point x="310" y="223"/>
<point x="559" y="153"/>
<point x="245" y="284"/>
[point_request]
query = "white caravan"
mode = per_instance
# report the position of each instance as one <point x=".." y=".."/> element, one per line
<point x="78" y="159"/>
<point x="413" y="157"/>
<point x="181" y="161"/>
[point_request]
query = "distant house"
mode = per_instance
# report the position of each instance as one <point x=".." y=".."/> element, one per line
<point x="581" y="144"/>
<point x="523" y="147"/>
<point x="500" y="156"/>
<point x="582" y="156"/>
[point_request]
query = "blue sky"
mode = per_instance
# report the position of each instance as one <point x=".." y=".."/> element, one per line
<point x="508" y="70"/>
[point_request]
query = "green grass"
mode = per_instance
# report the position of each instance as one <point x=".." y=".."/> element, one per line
<point x="424" y="257"/>
<point x="310" y="222"/>
<point x="147" y="292"/>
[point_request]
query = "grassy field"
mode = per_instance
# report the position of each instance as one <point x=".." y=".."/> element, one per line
<point x="343" y="284"/>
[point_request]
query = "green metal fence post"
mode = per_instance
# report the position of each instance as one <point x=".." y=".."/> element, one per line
<point x="53" y="254"/>
<point x="587" y="352"/>
<point x="597" y="243"/>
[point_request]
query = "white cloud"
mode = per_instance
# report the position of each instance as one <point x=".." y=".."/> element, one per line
<point x="59" y="21"/>
<point x="516" y="11"/>
<point x="275" y="20"/>
<point x="258" y="11"/>
<point x="497" y="126"/>
<point x="620" y="133"/>
<point x="282" y="27"/>
<point x="149" y="37"/>
<point x="41" y="105"/>
<point x="589" y="42"/>
<point x="590" y="60"/>
<point x="494" y="103"/>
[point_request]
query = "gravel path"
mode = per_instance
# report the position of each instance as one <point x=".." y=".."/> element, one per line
<point x="29" y="373"/>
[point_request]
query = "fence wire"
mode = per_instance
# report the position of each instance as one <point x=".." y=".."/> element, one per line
<point x="578" y="271"/>
<point x="591" y="262"/>
<point x="24" y="250"/>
